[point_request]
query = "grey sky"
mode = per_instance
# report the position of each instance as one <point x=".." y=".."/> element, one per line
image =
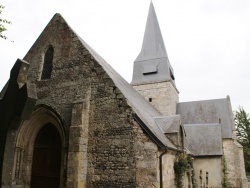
<point x="208" y="41"/>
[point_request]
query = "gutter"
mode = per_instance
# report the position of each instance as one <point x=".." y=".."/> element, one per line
<point x="147" y="130"/>
<point x="152" y="135"/>
<point x="158" y="142"/>
<point x="160" y="166"/>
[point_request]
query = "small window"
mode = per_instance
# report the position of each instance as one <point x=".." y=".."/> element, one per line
<point x="150" y="99"/>
<point x="47" y="65"/>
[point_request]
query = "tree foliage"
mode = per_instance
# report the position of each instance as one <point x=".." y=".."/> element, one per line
<point x="3" y="23"/>
<point x="242" y="123"/>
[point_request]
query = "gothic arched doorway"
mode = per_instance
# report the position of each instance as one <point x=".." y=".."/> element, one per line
<point x="46" y="163"/>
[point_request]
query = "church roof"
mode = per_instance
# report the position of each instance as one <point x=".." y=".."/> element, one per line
<point x="141" y="107"/>
<point x="208" y="111"/>
<point x="152" y="64"/>
<point x="169" y="124"/>
<point x="203" y="139"/>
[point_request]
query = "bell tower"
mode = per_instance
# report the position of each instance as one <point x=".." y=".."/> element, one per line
<point x="153" y="76"/>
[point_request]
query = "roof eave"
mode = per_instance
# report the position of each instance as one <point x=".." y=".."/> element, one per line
<point x="158" y="142"/>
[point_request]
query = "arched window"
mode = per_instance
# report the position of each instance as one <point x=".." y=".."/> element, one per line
<point x="47" y="65"/>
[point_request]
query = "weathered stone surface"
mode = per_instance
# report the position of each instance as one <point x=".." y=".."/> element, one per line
<point x="16" y="103"/>
<point x="110" y="150"/>
<point x="233" y="153"/>
<point x="97" y="121"/>
<point x="103" y="146"/>
<point x="208" y="171"/>
<point x="163" y="96"/>
<point x="146" y="159"/>
<point x="168" y="169"/>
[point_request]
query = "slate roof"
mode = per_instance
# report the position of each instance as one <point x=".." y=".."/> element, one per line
<point x="141" y="107"/>
<point x="169" y="124"/>
<point x="152" y="64"/>
<point x="203" y="139"/>
<point x="208" y="111"/>
<point x="153" y="45"/>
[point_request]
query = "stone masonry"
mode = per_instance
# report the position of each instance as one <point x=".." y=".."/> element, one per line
<point x="110" y="136"/>
<point x="163" y="96"/>
<point x="234" y="162"/>
<point x="204" y="172"/>
<point x="104" y="142"/>
<point x="168" y="169"/>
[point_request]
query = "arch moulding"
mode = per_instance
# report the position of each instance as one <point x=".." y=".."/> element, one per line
<point x="25" y="143"/>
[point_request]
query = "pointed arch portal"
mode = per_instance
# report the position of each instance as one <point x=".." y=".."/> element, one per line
<point x="40" y="158"/>
<point x="46" y="163"/>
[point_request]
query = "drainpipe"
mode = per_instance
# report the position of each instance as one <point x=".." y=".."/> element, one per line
<point x="160" y="166"/>
<point x="160" y="163"/>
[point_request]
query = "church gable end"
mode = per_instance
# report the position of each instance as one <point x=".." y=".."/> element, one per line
<point x="97" y="120"/>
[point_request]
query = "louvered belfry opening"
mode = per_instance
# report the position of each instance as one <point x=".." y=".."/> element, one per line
<point x="47" y="65"/>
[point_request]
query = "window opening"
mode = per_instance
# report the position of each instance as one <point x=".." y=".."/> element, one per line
<point x="47" y="65"/>
<point x="207" y="179"/>
<point x="201" y="178"/>
<point x="171" y="74"/>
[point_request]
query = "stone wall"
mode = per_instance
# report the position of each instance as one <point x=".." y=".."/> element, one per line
<point x="71" y="68"/>
<point x="70" y="79"/>
<point x="111" y="161"/>
<point x="168" y="169"/>
<point x="233" y="153"/>
<point x="96" y="118"/>
<point x="106" y="148"/>
<point x="7" y="174"/>
<point x="163" y="96"/>
<point x="78" y="143"/>
<point x="208" y="171"/>
<point x="146" y="159"/>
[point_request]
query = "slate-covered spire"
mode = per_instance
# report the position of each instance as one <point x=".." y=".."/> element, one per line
<point x="153" y="44"/>
<point x="152" y="64"/>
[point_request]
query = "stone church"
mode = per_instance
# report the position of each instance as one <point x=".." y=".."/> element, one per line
<point x="68" y="119"/>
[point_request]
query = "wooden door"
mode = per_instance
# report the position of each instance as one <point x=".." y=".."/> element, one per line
<point x="46" y="163"/>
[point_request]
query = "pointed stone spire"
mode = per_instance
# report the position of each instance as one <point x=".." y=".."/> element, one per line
<point x="152" y="64"/>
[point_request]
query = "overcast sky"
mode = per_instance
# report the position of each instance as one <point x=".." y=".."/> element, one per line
<point x="207" y="41"/>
